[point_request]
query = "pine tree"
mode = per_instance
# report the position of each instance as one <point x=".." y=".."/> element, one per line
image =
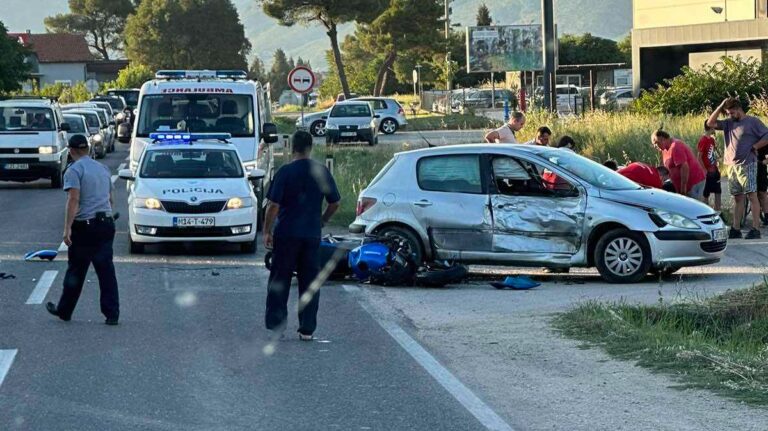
<point x="483" y="17"/>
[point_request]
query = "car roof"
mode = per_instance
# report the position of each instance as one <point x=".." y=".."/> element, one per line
<point x="28" y="102"/>
<point x="352" y="102"/>
<point x="476" y="149"/>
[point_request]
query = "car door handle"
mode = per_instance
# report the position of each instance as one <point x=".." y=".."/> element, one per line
<point x="423" y="203"/>
<point x="508" y="207"/>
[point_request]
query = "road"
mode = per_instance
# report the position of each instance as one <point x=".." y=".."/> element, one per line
<point x="190" y="352"/>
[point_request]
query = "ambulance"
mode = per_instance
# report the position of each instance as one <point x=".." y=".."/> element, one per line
<point x="208" y="101"/>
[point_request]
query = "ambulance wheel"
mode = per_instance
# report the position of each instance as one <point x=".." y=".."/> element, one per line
<point x="248" y="247"/>
<point x="135" y="247"/>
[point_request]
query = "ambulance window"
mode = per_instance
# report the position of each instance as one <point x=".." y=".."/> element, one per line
<point x="197" y="113"/>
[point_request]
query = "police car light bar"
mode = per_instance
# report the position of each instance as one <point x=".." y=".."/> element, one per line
<point x="182" y="137"/>
<point x="200" y="74"/>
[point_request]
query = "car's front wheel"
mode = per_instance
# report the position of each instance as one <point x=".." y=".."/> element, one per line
<point x="317" y="128"/>
<point x="248" y="247"/>
<point x="57" y="179"/>
<point x="411" y="242"/>
<point x="135" y="247"/>
<point x="622" y="256"/>
<point x="388" y="126"/>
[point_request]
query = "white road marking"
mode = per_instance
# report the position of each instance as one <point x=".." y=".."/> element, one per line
<point x="63" y="247"/>
<point x="6" y="360"/>
<point x="114" y="178"/>
<point x="481" y="411"/>
<point x="41" y="290"/>
<point x="121" y="167"/>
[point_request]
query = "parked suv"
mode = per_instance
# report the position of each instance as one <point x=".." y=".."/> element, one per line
<point x="526" y="205"/>
<point x="390" y="112"/>
<point x="351" y="121"/>
<point x="33" y="141"/>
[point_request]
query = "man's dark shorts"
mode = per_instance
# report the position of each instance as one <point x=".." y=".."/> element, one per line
<point x="713" y="184"/>
<point x="762" y="177"/>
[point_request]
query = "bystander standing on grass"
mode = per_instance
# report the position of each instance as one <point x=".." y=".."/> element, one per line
<point x="543" y="135"/>
<point x="684" y="169"/>
<point x="709" y="159"/>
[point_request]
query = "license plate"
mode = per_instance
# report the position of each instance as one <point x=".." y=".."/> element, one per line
<point x="719" y="235"/>
<point x="348" y="133"/>
<point x="194" y="221"/>
<point x="17" y="166"/>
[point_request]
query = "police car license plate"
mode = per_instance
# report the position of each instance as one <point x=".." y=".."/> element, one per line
<point x="194" y="222"/>
<point x="348" y="133"/>
<point x="17" y="166"/>
<point x="719" y="235"/>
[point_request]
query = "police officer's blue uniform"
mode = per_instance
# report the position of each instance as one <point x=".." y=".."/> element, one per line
<point x="93" y="232"/>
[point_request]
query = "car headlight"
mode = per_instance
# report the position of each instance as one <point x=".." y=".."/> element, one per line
<point x="46" y="149"/>
<point x="148" y="203"/>
<point x="96" y="138"/>
<point x="675" y="220"/>
<point x="237" y="203"/>
<point x="331" y="126"/>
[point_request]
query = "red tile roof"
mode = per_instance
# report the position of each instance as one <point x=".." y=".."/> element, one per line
<point x="56" y="47"/>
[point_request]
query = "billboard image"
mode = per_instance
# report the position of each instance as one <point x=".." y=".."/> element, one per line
<point x="504" y="48"/>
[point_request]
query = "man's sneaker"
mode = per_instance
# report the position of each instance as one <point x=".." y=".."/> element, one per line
<point x="753" y="234"/>
<point x="734" y="234"/>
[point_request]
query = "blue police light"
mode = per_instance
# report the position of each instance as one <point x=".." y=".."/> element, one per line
<point x="231" y="74"/>
<point x="169" y="138"/>
<point x="171" y="74"/>
<point x="201" y="74"/>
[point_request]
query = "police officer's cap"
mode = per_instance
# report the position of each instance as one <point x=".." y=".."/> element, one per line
<point x="78" y="141"/>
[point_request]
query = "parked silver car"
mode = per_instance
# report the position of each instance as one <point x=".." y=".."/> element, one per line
<point x="535" y="206"/>
<point x="313" y="122"/>
<point x="391" y="113"/>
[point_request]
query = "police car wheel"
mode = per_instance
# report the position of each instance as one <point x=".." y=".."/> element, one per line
<point x="135" y="247"/>
<point x="248" y="247"/>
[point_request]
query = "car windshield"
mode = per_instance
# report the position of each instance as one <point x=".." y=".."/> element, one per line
<point x="589" y="171"/>
<point x="131" y="97"/>
<point x="92" y="120"/>
<point x="75" y="122"/>
<point x="357" y="110"/>
<point x="19" y="119"/>
<point x="191" y="163"/>
<point x="202" y="113"/>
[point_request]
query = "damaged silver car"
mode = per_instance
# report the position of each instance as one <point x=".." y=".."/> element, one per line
<point x="535" y="206"/>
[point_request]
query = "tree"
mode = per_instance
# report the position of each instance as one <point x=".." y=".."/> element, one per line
<point x="588" y="49"/>
<point x="625" y="47"/>
<point x="483" y="17"/>
<point x="187" y="34"/>
<point x="278" y="74"/>
<point x="101" y="21"/>
<point x="13" y="68"/>
<point x="329" y="13"/>
<point x="257" y="71"/>
<point x="132" y="76"/>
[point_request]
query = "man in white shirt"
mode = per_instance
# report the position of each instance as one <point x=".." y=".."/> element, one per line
<point x="506" y="133"/>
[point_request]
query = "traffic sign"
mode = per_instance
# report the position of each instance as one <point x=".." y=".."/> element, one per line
<point x="301" y="79"/>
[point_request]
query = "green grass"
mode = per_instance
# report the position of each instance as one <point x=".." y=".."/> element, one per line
<point x="719" y="344"/>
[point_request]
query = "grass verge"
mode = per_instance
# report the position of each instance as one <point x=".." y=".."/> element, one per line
<point x="719" y="344"/>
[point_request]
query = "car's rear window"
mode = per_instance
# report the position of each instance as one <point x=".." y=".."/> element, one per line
<point x="351" y="111"/>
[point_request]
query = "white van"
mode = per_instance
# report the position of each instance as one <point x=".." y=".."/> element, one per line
<point x="33" y="141"/>
<point x="205" y="101"/>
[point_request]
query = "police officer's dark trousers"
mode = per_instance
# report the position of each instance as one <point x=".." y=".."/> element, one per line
<point x="289" y="255"/>
<point x="91" y="243"/>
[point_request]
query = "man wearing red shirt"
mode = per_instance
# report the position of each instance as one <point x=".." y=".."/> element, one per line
<point x="708" y="156"/>
<point x="642" y="174"/>
<point x="684" y="168"/>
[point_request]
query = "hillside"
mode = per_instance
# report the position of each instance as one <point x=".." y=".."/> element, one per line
<point x="606" y="18"/>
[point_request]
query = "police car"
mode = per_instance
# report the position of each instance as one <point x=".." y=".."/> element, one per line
<point x="191" y="187"/>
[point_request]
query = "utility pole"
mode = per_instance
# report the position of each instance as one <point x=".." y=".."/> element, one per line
<point x="550" y="68"/>
<point x="447" y="3"/>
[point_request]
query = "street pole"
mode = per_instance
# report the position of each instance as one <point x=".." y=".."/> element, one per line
<point x="447" y="45"/>
<point x="548" y="25"/>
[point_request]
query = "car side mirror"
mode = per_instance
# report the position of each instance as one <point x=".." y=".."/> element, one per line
<point x="256" y="174"/>
<point x="126" y="174"/>
<point x="269" y="133"/>
<point x="64" y="127"/>
<point x="377" y="116"/>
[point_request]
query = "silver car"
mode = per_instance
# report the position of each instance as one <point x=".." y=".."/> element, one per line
<point x="314" y="122"/>
<point x="391" y="113"/>
<point x="535" y="206"/>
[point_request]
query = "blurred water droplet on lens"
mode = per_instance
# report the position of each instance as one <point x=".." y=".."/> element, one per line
<point x="186" y="299"/>
<point x="269" y="349"/>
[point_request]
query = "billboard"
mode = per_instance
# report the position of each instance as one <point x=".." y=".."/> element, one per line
<point x="504" y="48"/>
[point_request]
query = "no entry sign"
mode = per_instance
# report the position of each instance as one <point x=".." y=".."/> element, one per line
<point x="301" y="79"/>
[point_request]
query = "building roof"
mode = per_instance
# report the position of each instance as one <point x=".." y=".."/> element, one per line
<point x="56" y="47"/>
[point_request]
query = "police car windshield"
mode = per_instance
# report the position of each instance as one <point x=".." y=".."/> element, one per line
<point x="197" y="113"/>
<point x="191" y="163"/>
<point x="24" y="119"/>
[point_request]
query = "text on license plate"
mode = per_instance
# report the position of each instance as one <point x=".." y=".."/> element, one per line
<point x="17" y="166"/>
<point x="719" y="235"/>
<point x="194" y="221"/>
<point x="348" y="133"/>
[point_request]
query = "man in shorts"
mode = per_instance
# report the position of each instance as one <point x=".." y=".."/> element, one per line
<point x="744" y="136"/>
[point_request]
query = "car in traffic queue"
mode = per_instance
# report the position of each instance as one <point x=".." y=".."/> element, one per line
<point x="352" y="121"/>
<point x="106" y="123"/>
<point x="33" y="140"/>
<point x="129" y="95"/>
<point x="79" y="126"/>
<point x="95" y="128"/>
<point x="526" y="205"/>
<point x="191" y="188"/>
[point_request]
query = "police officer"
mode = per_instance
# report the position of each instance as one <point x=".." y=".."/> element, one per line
<point x="295" y="201"/>
<point x="89" y="231"/>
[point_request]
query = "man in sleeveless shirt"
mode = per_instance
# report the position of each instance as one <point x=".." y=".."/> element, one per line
<point x="506" y="133"/>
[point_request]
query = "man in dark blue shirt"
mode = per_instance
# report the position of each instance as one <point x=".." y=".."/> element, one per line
<point x="296" y="198"/>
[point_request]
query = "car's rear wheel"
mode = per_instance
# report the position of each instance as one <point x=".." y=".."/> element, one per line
<point x="248" y="247"/>
<point x="317" y="128"/>
<point x="57" y="179"/>
<point x="412" y="244"/>
<point x="622" y="256"/>
<point x="135" y="247"/>
<point x="388" y="126"/>
<point x="373" y="141"/>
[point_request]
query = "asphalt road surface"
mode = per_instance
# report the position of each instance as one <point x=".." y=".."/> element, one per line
<point x="191" y="352"/>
